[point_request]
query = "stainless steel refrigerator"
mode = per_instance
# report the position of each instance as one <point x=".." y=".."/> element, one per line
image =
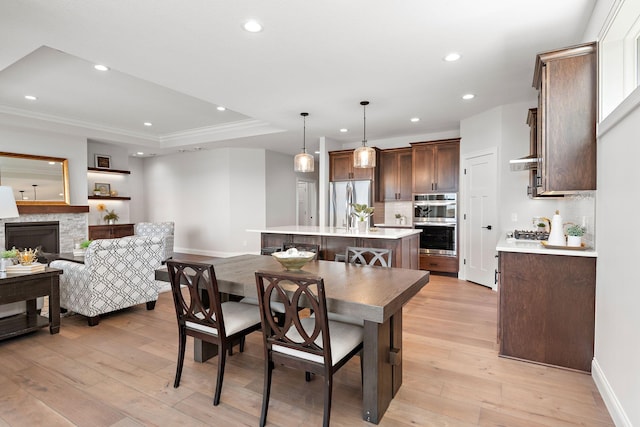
<point x="341" y="195"/>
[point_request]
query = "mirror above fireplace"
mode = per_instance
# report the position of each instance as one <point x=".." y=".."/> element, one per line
<point x="35" y="180"/>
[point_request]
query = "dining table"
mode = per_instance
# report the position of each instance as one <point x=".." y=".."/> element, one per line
<point x="374" y="294"/>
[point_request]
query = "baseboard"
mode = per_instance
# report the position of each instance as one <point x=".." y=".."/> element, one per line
<point x="616" y="410"/>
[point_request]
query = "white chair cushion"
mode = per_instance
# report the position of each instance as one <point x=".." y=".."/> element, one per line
<point x="344" y="338"/>
<point x="236" y="318"/>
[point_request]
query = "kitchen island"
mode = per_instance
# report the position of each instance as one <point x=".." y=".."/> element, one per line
<point x="546" y="305"/>
<point x="405" y="242"/>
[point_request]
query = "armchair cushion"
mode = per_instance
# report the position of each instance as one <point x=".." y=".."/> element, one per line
<point x="117" y="273"/>
<point x="164" y="229"/>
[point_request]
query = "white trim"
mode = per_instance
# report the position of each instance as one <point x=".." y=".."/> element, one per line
<point x="614" y="406"/>
<point x="626" y="107"/>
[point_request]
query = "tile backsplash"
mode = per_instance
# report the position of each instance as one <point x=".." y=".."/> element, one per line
<point x="403" y="208"/>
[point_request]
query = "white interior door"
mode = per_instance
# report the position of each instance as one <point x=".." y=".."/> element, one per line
<point x="306" y="205"/>
<point x="480" y="175"/>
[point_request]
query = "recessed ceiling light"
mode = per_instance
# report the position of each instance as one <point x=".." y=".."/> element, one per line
<point x="52" y="163"/>
<point x="148" y="124"/>
<point x="140" y="153"/>
<point x="252" y="26"/>
<point x="317" y="152"/>
<point x="101" y="67"/>
<point x="453" y="56"/>
<point x="343" y="130"/>
<point x="415" y="119"/>
<point x="30" y="97"/>
<point x="221" y="108"/>
<point x="468" y="96"/>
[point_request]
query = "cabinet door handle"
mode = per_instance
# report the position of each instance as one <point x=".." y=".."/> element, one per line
<point x="488" y="227"/>
<point x="495" y="277"/>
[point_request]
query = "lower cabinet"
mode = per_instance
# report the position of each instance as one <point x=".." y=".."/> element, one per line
<point x="110" y="231"/>
<point x="405" y="249"/>
<point x="439" y="263"/>
<point x="547" y="308"/>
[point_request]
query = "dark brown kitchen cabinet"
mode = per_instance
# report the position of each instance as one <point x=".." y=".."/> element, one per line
<point x="395" y="174"/>
<point x="534" y="172"/>
<point x="547" y="308"/>
<point x="436" y="166"/>
<point x="341" y="167"/>
<point x="566" y="81"/>
<point x="110" y="231"/>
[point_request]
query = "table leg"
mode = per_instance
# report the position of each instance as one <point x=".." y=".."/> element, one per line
<point x="54" y="306"/>
<point x="382" y="366"/>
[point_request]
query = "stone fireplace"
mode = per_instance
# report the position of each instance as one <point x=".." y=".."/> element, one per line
<point x="72" y="227"/>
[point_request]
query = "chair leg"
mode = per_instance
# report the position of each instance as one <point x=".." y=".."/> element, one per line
<point x="328" y="388"/>
<point x="307" y="376"/>
<point x="93" y="321"/>
<point x="268" y="372"/>
<point x="182" y="344"/>
<point x="241" y="344"/>
<point x="222" y="358"/>
<point x="151" y="305"/>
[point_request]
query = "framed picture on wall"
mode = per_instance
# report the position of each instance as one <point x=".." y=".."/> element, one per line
<point x="103" y="161"/>
<point x="105" y="189"/>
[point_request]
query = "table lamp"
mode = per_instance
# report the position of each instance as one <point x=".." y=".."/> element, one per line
<point x="8" y="208"/>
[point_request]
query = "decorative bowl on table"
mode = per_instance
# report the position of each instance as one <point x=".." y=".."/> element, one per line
<point x="293" y="259"/>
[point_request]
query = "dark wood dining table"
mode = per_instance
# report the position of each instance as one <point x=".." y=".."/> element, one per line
<point x="373" y="294"/>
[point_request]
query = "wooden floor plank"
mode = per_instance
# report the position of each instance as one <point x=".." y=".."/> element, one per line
<point x="120" y="373"/>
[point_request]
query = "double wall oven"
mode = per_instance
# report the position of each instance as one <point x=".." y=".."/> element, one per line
<point x="436" y="215"/>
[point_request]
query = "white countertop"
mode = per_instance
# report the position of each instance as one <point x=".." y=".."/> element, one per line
<point x="533" y="247"/>
<point x="381" y="233"/>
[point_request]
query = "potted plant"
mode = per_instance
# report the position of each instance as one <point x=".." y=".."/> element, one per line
<point x="575" y="233"/>
<point x="7" y="257"/>
<point x="111" y="217"/>
<point x="398" y="218"/>
<point x="362" y="212"/>
<point x="96" y="191"/>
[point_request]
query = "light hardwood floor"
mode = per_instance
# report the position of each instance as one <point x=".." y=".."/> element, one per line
<point x="120" y="373"/>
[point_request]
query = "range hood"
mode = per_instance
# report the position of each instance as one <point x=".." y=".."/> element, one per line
<point x="524" y="163"/>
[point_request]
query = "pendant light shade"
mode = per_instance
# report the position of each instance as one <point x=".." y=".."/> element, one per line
<point x="364" y="157"/>
<point x="303" y="162"/>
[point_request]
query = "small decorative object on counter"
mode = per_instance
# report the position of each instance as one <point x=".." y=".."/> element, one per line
<point x="574" y="235"/>
<point x="111" y="217"/>
<point x="556" y="235"/>
<point x="362" y="212"/>
<point x="292" y="259"/>
<point x="398" y="219"/>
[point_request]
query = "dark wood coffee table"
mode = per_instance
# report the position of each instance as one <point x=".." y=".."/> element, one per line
<point x="28" y="287"/>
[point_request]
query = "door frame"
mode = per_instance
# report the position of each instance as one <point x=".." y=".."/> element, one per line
<point x="462" y="224"/>
<point x="312" y="199"/>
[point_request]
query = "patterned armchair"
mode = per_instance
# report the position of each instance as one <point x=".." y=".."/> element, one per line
<point x="157" y="229"/>
<point x="116" y="274"/>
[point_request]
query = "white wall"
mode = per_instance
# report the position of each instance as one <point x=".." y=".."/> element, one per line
<point x="45" y="143"/>
<point x="280" y="188"/>
<point x="137" y="205"/>
<point x="616" y="366"/>
<point x="213" y="196"/>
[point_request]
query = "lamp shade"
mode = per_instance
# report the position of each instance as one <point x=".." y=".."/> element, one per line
<point x="364" y="157"/>
<point x="8" y="208"/>
<point x="303" y="162"/>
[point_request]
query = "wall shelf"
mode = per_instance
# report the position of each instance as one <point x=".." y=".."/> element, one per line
<point x="109" y="198"/>
<point x="100" y="170"/>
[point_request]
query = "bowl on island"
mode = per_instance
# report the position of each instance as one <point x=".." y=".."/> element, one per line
<point x="293" y="259"/>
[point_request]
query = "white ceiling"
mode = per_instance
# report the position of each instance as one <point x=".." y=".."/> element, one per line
<point x="173" y="62"/>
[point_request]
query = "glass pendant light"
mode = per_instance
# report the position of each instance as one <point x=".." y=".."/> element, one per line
<point x="364" y="157"/>
<point x="303" y="162"/>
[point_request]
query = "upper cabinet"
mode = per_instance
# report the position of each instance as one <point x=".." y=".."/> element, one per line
<point x="436" y="166"/>
<point x="341" y="167"/>
<point x="395" y="175"/>
<point x="566" y="133"/>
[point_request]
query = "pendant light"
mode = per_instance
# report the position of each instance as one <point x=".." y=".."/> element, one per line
<point x="303" y="162"/>
<point x="364" y="157"/>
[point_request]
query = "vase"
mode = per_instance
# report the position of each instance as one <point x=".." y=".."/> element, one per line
<point x="111" y="221"/>
<point x="574" y="241"/>
<point x="362" y="226"/>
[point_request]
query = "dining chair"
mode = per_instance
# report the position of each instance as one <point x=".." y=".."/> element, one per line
<point x="307" y="247"/>
<point x="369" y="256"/>
<point x="202" y="315"/>
<point x="313" y="344"/>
